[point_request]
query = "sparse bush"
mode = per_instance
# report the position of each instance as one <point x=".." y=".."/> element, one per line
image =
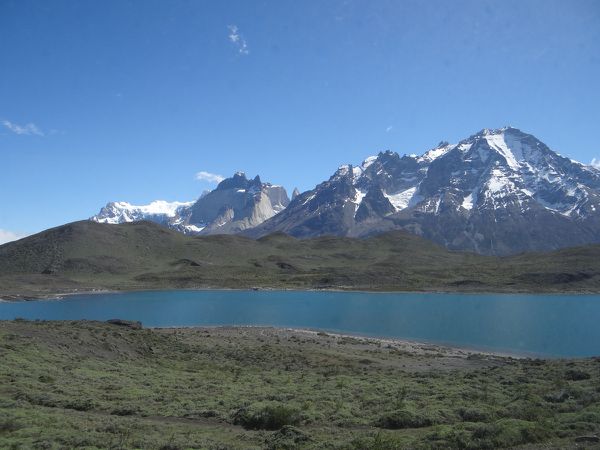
<point x="577" y="375"/>
<point x="80" y="404"/>
<point x="403" y="418"/>
<point x="485" y="431"/>
<point x="8" y="425"/>
<point x="124" y="411"/>
<point x="378" y="442"/>
<point x="473" y="415"/>
<point x="46" y="379"/>
<point x="266" y="417"/>
<point x="511" y="432"/>
<point x="288" y="437"/>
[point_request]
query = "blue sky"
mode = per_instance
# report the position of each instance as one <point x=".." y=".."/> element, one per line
<point x="129" y="100"/>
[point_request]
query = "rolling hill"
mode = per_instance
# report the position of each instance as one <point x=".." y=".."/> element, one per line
<point x="143" y="255"/>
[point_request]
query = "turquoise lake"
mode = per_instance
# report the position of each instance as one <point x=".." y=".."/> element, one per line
<point x="536" y="325"/>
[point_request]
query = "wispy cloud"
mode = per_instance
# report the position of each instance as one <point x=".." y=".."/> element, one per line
<point x="595" y="163"/>
<point x="23" y="130"/>
<point x="210" y="177"/>
<point x="390" y="128"/>
<point x="238" y="40"/>
<point x="8" y="236"/>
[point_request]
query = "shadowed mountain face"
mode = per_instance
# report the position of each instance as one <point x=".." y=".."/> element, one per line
<point x="143" y="255"/>
<point x="497" y="192"/>
<point x="235" y="205"/>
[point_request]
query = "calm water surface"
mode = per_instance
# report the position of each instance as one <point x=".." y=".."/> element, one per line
<point x="551" y="325"/>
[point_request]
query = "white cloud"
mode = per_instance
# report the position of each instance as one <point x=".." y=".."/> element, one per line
<point x="24" y="130"/>
<point x="238" y="40"/>
<point x="595" y="163"/>
<point x="8" y="236"/>
<point x="210" y="177"/>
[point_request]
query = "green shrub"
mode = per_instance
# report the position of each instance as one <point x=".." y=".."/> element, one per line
<point x="444" y="437"/>
<point x="8" y="425"/>
<point x="288" y="437"/>
<point x="473" y="415"/>
<point x="271" y="416"/>
<point x="403" y="418"/>
<point x="378" y="442"/>
<point x="80" y="404"/>
<point x="512" y="432"/>
<point x="577" y="375"/>
<point x="46" y="379"/>
<point x="124" y="411"/>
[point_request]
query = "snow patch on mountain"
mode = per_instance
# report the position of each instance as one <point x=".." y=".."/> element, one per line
<point x="193" y="229"/>
<point x="433" y="154"/>
<point x="468" y="201"/>
<point x="368" y="161"/>
<point x="119" y="212"/>
<point x="403" y="199"/>
<point x="359" y="197"/>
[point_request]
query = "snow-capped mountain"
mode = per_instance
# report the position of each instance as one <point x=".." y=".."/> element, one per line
<point x="497" y="192"/>
<point x="158" y="211"/>
<point x="235" y="205"/>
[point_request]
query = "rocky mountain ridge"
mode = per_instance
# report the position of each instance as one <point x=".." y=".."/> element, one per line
<point x="497" y="192"/>
<point x="236" y="204"/>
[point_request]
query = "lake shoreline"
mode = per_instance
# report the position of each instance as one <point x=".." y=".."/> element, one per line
<point x="415" y="346"/>
<point x="411" y="345"/>
<point x="518" y="325"/>
<point x="100" y="291"/>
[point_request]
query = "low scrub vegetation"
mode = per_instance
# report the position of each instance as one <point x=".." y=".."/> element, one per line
<point x="98" y="385"/>
<point x="272" y="416"/>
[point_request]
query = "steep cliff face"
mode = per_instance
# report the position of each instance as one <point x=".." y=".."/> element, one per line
<point x="237" y="204"/>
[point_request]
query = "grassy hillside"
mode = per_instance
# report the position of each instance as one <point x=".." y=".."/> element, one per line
<point x="95" y="385"/>
<point x="87" y="255"/>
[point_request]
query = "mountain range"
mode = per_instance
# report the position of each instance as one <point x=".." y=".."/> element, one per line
<point x="498" y="192"/>
<point x="235" y="205"/>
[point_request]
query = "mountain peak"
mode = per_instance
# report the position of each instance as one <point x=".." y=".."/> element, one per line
<point x="500" y="191"/>
<point x="496" y="131"/>
<point x="386" y="153"/>
<point x="235" y="204"/>
<point x="238" y="180"/>
<point x="368" y="161"/>
<point x="442" y="148"/>
<point x="119" y="212"/>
